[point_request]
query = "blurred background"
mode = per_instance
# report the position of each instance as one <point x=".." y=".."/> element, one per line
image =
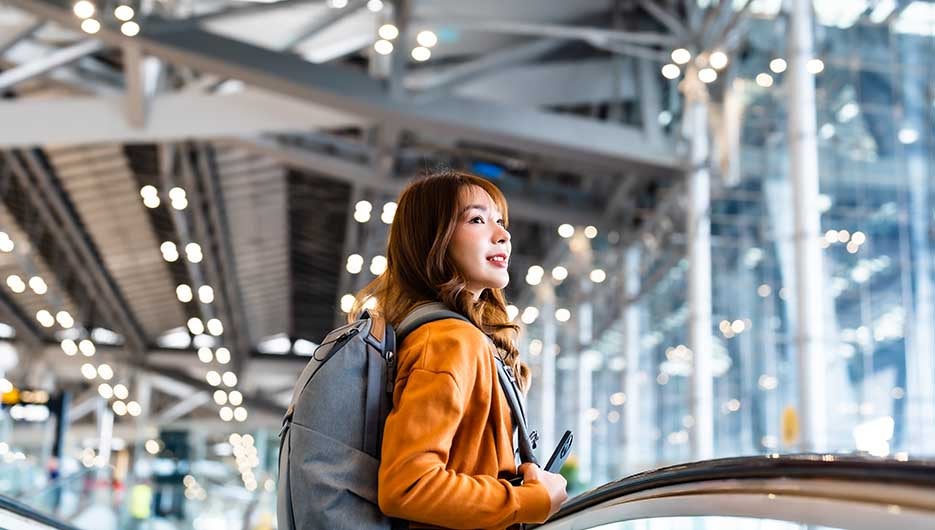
<point x="722" y="218"/>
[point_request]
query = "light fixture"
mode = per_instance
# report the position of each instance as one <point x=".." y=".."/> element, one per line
<point x="562" y="315"/>
<point x="388" y="32"/>
<point x="671" y="71"/>
<point x="220" y="397"/>
<point x="184" y="293"/>
<point x="105" y="390"/>
<point x="778" y="65"/>
<point x="347" y="303"/>
<point x="204" y="354"/>
<point x="512" y="312"/>
<point x="134" y="408"/>
<point x="355" y="263"/>
<point x="15" y="283"/>
<point x="383" y="47"/>
<point x="64" y="319"/>
<point x="120" y="408"/>
<point x="130" y="29"/>
<point x="566" y="230"/>
<point x="681" y="56"/>
<point x="908" y="135"/>
<point x="378" y="265"/>
<point x="764" y="80"/>
<point x="230" y="379"/>
<point x="707" y="75"/>
<point x="235" y="397"/>
<point x="389" y="212"/>
<point x="45" y="318"/>
<point x="120" y="391"/>
<point x="106" y="372"/>
<point x="88" y="371"/>
<point x="362" y="216"/>
<point x="206" y="294"/>
<point x="559" y="273"/>
<point x="123" y="12"/>
<point x="38" y="285"/>
<point x="598" y="276"/>
<point x="590" y="232"/>
<point x="213" y="378"/>
<point x="815" y="66"/>
<point x="222" y="355"/>
<point x="375" y="6"/>
<point x="169" y="251"/>
<point x="196" y="326"/>
<point x="421" y="53"/>
<point x="90" y="26"/>
<point x="87" y="348"/>
<point x="226" y="413"/>
<point x="69" y="347"/>
<point x="83" y="9"/>
<point x="240" y="414"/>
<point x="215" y="327"/>
<point x="427" y="38"/>
<point x="718" y="60"/>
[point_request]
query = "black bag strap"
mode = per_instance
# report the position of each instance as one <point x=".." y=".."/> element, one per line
<point x="433" y="311"/>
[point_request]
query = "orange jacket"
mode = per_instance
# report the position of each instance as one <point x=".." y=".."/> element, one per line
<point x="449" y="437"/>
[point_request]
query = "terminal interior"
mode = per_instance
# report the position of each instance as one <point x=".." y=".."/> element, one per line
<point x="722" y="216"/>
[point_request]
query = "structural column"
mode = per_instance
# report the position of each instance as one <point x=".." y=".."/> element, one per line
<point x="699" y="263"/>
<point x="633" y="435"/>
<point x="920" y="360"/>
<point x="808" y="296"/>
<point x="547" y="439"/>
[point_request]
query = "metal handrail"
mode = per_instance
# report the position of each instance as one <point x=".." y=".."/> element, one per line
<point x="919" y="473"/>
<point x="24" y="510"/>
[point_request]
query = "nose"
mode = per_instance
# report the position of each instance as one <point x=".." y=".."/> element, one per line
<point x="502" y="235"/>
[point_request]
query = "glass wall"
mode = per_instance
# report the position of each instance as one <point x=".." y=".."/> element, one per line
<point x="875" y="98"/>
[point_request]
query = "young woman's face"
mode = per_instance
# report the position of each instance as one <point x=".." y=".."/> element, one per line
<point x="480" y="246"/>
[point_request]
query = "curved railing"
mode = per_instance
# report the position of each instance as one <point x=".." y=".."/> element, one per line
<point x="15" y="514"/>
<point x="854" y="479"/>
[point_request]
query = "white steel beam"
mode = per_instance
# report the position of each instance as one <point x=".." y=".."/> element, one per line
<point x="75" y="121"/>
<point x="27" y="71"/>
<point x="530" y="130"/>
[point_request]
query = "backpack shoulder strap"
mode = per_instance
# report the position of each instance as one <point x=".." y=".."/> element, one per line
<point x="433" y="311"/>
<point x="424" y="314"/>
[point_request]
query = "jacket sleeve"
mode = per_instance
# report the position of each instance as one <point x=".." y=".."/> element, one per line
<point x="414" y="481"/>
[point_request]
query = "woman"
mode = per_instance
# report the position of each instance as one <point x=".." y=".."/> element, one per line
<point x="447" y="444"/>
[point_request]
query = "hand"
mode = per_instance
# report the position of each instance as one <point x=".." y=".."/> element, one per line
<point x="553" y="482"/>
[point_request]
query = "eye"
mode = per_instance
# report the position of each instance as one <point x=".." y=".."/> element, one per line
<point x="478" y="218"/>
<point x="501" y="223"/>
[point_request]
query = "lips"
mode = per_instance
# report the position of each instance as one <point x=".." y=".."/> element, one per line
<point x="500" y="260"/>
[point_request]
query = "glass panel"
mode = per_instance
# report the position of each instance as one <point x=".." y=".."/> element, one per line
<point x="707" y="523"/>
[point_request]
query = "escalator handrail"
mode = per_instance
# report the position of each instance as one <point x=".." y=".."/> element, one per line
<point x="801" y="466"/>
<point x="24" y="510"/>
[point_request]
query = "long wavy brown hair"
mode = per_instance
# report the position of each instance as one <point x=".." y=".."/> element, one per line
<point x="419" y="268"/>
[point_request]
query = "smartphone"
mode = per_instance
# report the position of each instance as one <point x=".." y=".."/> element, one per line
<point x="562" y="450"/>
<point x="556" y="461"/>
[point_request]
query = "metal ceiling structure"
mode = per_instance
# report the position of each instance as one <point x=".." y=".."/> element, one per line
<point x="275" y="118"/>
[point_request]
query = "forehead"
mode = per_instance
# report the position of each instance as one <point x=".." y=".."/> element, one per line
<point x="475" y="195"/>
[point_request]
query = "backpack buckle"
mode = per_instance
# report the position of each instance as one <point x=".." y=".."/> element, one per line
<point x="287" y="419"/>
<point x="534" y="439"/>
<point x="509" y="372"/>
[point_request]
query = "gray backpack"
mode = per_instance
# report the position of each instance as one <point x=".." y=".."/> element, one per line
<point x="331" y="435"/>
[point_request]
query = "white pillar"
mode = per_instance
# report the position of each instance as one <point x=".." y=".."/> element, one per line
<point x="584" y="430"/>
<point x="547" y="439"/>
<point x="920" y="357"/>
<point x="587" y="362"/>
<point x="634" y="435"/>
<point x="808" y="296"/>
<point x="699" y="264"/>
